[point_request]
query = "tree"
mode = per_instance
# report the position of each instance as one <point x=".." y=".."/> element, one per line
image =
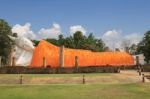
<point x="133" y="49"/>
<point x="144" y="46"/>
<point x="61" y="40"/>
<point x="100" y="45"/>
<point x="5" y="43"/>
<point x="76" y="41"/>
<point x="53" y="41"/>
<point x="90" y="42"/>
<point x="35" y="42"/>
<point x="94" y="44"/>
<point x="79" y="39"/>
<point x="126" y="44"/>
<point x="69" y="42"/>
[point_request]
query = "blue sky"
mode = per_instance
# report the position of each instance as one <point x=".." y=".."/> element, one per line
<point x="97" y="16"/>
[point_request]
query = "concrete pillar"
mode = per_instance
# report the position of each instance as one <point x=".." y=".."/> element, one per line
<point x="137" y="60"/>
<point x="76" y="61"/>
<point x="12" y="54"/>
<point x="83" y="79"/>
<point x="143" y="78"/>
<point x="139" y="72"/>
<point x="21" y="79"/>
<point x="44" y="62"/>
<point x="0" y="61"/>
<point x="13" y="61"/>
<point x="61" y="56"/>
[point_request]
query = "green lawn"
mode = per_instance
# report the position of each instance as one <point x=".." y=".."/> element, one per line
<point x="78" y="91"/>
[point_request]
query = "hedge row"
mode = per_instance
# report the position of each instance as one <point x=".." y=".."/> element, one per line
<point x="49" y="70"/>
<point x="146" y="68"/>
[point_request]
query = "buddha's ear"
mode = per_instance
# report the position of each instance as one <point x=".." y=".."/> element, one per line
<point x="11" y="37"/>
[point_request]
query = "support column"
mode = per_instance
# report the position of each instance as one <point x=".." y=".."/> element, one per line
<point x="44" y="62"/>
<point x="0" y="61"/>
<point x="13" y="61"/>
<point x="137" y="60"/>
<point x="61" y="56"/>
<point x="143" y="78"/>
<point x="12" y="55"/>
<point x="76" y="61"/>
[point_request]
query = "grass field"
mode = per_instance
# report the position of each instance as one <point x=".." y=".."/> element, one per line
<point x="124" y="85"/>
<point x="77" y="91"/>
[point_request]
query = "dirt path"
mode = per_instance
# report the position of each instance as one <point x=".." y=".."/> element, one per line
<point x="125" y="76"/>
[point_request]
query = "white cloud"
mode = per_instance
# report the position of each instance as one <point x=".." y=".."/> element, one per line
<point x="114" y="38"/>
<point x="51" y="32"/>
<point x="76" y="28"/>
<point x="134" y="38"/>
<point x="24" y="30"/>
<point x="112" y="34"/>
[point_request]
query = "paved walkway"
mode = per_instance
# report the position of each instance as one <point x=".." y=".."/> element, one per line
<point x="134" y="75"/>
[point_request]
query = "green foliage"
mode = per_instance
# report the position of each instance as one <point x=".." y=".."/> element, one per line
<point x="78" y="41"/>
<point x="5" y="44"/>
<point x="133" y="49"/>
<point x="61" y="40"/>
<point x="53" y="41"/>
<point x="144" y="46"/>
<point x="69" y="42"/>
<point x="35" y="42"/>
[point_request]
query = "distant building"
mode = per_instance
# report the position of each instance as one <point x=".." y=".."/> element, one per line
<point x="141" y="59"/>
